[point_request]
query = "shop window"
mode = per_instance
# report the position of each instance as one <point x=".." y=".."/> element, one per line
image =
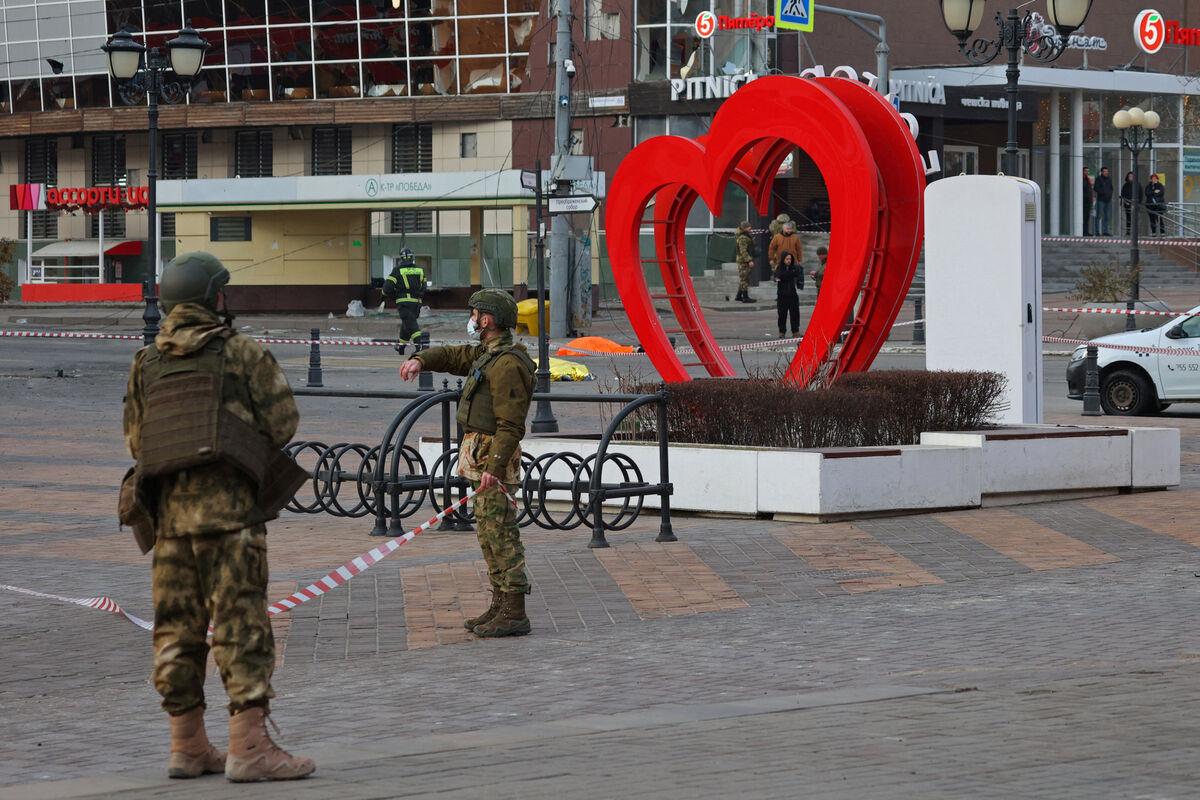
<point x="652" y="54"/>
<point x="108" y="169"/>
<point x="179" y="155"/>
<point x="229" y="229"/>
<point x="41" y="166"/>
<point x="287" y="11"/>
<point x="253" y="153"/>
<point x="331" y="151"/>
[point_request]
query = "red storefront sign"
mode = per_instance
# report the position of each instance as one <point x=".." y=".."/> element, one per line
<point x="96" y="198"/>
<point x="91" y="199"/>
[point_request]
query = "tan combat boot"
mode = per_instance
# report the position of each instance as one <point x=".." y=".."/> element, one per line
<point x="191" y="753"/>
<point x="497" y="601"/>
<point x="510" y="621"/>
<point x="254" y="757"/>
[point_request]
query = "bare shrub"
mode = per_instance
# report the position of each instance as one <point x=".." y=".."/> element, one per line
<point x="889" y="407"/>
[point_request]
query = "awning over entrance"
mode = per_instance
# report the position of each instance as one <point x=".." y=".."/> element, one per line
<point x="84" y="248"/>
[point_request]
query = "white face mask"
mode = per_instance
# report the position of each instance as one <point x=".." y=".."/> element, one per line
<point x="472" y="331"/>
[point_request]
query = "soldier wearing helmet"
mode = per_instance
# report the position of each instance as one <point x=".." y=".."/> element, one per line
<point x="210" y="504"/>
<point x="492" y="411"/>
<point x="406" y="285"/>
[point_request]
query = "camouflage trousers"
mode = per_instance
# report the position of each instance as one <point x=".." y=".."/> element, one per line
<point x="222" y="578"/>
<point x="500" y="539"/>
<point x="744" y="269"/>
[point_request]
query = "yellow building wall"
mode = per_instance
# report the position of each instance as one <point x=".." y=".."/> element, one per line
<point x="300" y="248"/>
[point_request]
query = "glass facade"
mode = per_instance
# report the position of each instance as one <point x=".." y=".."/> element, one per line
<point x="268" y="50"/>
<point x="668" y="46"/>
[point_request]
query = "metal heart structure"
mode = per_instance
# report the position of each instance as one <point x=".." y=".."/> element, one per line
<point x="875" y="180"/>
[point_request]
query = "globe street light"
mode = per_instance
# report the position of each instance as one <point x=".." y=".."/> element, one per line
<point x="1137" y="134"/>
<point x="126" y="58"/>
<point x="962" y="18"/>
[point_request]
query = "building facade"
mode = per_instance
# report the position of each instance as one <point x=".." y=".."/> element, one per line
<point x="319" y="137"/>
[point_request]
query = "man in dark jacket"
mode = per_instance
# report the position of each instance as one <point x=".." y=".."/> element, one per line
<point x="1103" y="187"/>
<point x="492" y="410"/>
<point x="1087" y="200"/>
<point x="1156" y="204"/>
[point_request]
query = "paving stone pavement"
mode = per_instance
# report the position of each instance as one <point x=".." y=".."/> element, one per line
<point x="1040" y="651"/>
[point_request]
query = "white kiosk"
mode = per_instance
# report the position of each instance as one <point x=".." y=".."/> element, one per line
<point x="983" y="284"/>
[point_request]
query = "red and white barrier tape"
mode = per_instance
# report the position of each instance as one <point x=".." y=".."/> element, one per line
<point x="1111" y="240"/>
<point x="1170" y="351"/>
<point x="334" y="579"/>
<point x="261" y="339"/>
<point x="99" y="603"/>
<point x="1120" y="311"/>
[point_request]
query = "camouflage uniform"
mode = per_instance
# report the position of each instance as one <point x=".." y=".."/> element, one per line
<point x="492" y="443"/>
<point x="745" y="258"/>
<point x="210" y="558"/>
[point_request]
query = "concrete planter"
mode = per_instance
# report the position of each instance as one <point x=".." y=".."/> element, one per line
<point x="1091" y="326"/>
<point x="945" y="471"/>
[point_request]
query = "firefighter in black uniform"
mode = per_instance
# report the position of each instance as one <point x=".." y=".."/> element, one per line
<point x="406" y="285"/>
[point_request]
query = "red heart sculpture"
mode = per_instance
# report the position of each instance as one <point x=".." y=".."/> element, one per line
<point x="874" y="176"/>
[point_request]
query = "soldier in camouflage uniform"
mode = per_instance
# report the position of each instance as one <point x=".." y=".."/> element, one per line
<point x="745" y="262"/>
<point x="210" y="554"/>
<point x="492" y="411"/>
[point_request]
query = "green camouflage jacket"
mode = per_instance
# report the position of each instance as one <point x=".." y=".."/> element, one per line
<point x="511" y="385"/>
<point x="216" y="497"/>
<point x="745" y="247"/>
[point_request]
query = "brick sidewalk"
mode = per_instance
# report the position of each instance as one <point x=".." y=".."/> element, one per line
<point x="1045" y="650"/>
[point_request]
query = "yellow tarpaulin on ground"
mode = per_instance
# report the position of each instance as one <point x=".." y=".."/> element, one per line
<point x="563" y="370"/>
<point x="592" y="345"/>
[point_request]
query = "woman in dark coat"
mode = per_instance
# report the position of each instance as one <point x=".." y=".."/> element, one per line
<point x="787" y="277"/>
<point x="1127" y="194"/>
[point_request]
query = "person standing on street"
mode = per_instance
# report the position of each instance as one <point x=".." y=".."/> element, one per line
<point x="210" y="537"/>
<point x="1128" y="193"/>
<point x="786" y="241"/>
<point x="1103" y="188"/>
<point x="492" y="410"/>
<point x="745" y="262"/>
<point x="1156" y="204"/>
<point x="1087" y="200"/>
<point x="406" y="285"/>
<point x="818" y="274"/>
<point x="787" y="301"/>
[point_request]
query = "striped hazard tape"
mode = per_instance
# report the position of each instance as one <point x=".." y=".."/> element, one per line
<point x="261" y="339"/>
<point x="99" y="603"/>
<point x="1121" y="311"/>
<point x="1169" y="351"/>
<point x="334" y="579"/>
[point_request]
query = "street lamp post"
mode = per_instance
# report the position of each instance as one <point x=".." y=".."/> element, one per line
<point x="962" y="18"/>
<point x="544" y="420"/>
<point x="1137" y="134"/>
<point x="126" y="58"/>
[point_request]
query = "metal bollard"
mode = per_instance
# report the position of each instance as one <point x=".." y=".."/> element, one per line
<point x="919" y="325"/>
<point x="1091" y="385"/>
<point x="314" y="359"/>
<point x="424" y="378"/>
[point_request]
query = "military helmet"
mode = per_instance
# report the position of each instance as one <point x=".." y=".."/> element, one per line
<point x="193" y="278"/>
<point x="407" y="259"/>
<point x="498" y="303"/>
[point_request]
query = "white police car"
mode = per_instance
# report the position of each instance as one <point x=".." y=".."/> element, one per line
<point x="1136" y="382"/>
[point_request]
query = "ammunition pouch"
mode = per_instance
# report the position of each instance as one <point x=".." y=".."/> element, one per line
<point x="136" y="509"/>
<point x="283" y="477"/>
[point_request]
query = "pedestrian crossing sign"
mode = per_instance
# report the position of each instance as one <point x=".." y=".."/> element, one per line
<point x="795" y="15"/>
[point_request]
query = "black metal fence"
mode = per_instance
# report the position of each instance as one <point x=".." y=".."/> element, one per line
<point x="559" y="490"/>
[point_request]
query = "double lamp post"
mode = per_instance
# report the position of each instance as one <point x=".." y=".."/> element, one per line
<point x="1014" y="34"/>
<point x="126" y="58"/>
<point x="1137" y="134"/>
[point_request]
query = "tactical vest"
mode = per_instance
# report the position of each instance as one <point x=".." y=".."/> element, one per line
<point x="186" y="423"/>
<point x="475" y="412"/>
